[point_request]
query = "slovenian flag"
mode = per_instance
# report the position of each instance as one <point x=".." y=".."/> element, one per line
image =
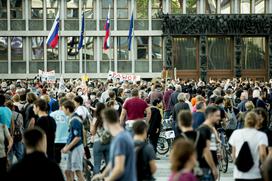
<point x="107" y="36"/>
<point x="53" y="37"/>
<point x="80" y="44"/>
<point x="130" y="31"/>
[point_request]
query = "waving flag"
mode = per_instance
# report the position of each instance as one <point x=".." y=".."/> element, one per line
<point x="53" y="37"/>
<point x="131" y="25"/>
<point x="80" y="44"/>
<point x="107" y="36"/>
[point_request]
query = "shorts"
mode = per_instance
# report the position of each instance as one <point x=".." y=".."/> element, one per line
<point x="207" y="175"/>
<point x="75" y="159"/>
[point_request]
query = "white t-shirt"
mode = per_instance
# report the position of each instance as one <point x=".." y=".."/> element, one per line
<point x="255" y="139"/>
<point x="83" y="112"/>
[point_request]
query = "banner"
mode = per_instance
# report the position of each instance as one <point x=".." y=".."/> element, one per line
<point x="48" y="77"/>
<point x="122" y="77"/>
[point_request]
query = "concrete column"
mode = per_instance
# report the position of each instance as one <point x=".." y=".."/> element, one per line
<point x="150" y="53"/>
<point x="184" y="6"/>
<point x="27" y="53"/>
<point x="98" y="45"/>
<point x="269" y="6"/>
<point x="27" y="13"/>
<point x="44" y="38"/>
<point x="9" y="55"/>
<point x="62" y="56"/>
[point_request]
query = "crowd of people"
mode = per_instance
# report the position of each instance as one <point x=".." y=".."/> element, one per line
<point x="42" y="122"/>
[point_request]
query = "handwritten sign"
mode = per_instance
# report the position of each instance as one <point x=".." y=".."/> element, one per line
<point x="122" y="77"/>
<point x="49" y="77"/>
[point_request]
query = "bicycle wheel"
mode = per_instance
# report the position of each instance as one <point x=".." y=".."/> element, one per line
<point x="223" y="159"/>
<point x="163" y="146"/>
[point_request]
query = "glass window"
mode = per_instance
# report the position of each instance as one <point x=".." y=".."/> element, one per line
<point x="89" y="8"/>
<point x="219" y="54"/>
<point x="37" y="9"/>
<point x="142" y="47"/>
<point x="253" y="53"/>
<point x="3" y="8"/>
<point x="142" y="9"/>
<point x="37" y="48"/>
<point x="4" y="48"/>
<point x="225" y="6"/>
<point x="122" y="48"/>
<point x="122" y="9"/>
<point x="184" y="55"/>
<point x="51" y="9"/>
<point x="72" y="9"/>
<point x="156" y="48"/>
<point x="211" y="6"/>
<point x="245" y="7"/>
<point x="105" y="8"/>
<point x="16" y="9"/>
<point x="156" y="7"/>
<point x="17" y="48"/>
<point x="191" y="6"/>
<point x="109" y="53"/>
<point x="259" y="6"/>
<point x="72" y="44"/>
<point x="176" y="6"/>
<point x="53" y="53"/>
<point x="89" y="51"/>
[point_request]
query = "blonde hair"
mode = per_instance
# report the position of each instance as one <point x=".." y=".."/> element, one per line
<point x="249" y="105"/>
<point x="16" y="98"/>
<point x="251" y="119"/>
<point x="46" y="98"/>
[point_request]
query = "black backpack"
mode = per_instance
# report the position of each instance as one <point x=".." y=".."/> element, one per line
<point x="244" y="161"/>
<point x="143" y="169"/>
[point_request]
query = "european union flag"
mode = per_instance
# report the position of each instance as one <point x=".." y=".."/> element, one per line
<point x="130" y="31"/>
<point x="80" y="44"/>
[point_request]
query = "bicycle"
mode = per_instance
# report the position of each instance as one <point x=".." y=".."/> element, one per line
<point x="223" y="151"/>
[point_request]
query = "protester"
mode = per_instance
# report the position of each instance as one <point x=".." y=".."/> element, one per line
<point x="5" y="113"/>
<point x="182" y="161"/>
<point x="145" y="154"/>
<point x="257" y="143"/>
<point x="166" y="101"/>
<point x="199" y="115"/>
<point x="28" y="112"/>
<point x="122" y="165"/>
<point x="74" y="146"/>
<point x="35" y="165"/>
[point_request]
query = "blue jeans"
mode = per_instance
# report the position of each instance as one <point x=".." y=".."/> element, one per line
<point x="100" y="151"/>
<point x="17" y="150"/>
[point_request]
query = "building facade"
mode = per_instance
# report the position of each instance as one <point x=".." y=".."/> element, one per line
<point x="157" y="43"/>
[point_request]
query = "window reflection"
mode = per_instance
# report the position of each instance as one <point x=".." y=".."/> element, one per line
<point x="245" y="7"/>
<point x="156" y="7"/>
<point x="89" y="51"/>
<point x="142" y="9"/>
<point x="72" y="45"/>
<point x="51" y="8"/>
<point x="259" y="7"/>
<point x="122" y="9"/>
<point x="4" y="48"/>
<point x="225" y="6"/>
<point x="105" y="8"/>
<point x="156" y="48"/>
<point x="88" y="6"/>
<point x="211" y="6"/>
<point x="37" y="9"/>
<point x="177" y="6"/>
<point x="109" y="53"/>
<point x="122" y="48"/>
<point x="191" y="7"/>
<point x="142" y="47"/>
<point x="16" y="9"/>
<point x="253" y="53"/>
<point x="3" y="8"/>
<point x="17" y="48"/>
<point x="53" y="53"/>
<point x="37" y="48"/>
<point x="72" y="9"/>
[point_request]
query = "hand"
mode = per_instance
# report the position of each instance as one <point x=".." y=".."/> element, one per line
<point x="215" y="173"/>
<point x="157" y="131"/>
<point x="65" y="149"/>
<point x="9" y="148"/>
<point x="97" y="177"/>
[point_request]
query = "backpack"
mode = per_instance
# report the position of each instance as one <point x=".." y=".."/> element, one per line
<point x="104" y="137"/>
<point x="244" y="161"/>
<point x="197" y="170"/>
<point x="232" y="120"/>
<point x="18" y="128"/>
<point x="143" y="169"/>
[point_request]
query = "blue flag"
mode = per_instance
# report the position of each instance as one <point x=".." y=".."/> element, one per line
<point x="80" y="44"/>
<point x="130" y="31"/>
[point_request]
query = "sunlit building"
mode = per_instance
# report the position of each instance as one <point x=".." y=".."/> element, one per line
<point x="25" y="25"/>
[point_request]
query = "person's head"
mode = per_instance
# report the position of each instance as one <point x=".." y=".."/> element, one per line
<point x="213" y="114"/>
<point x="185" y="119"/>
<point x="68" y="107"/>
<point x="78" y="100"/>
<point x="110" y="103"/>
<point x="157" y="103"/>
<point x="16" y="98"/>
<point x="112" y="95"/>
<point x="267" y="170"/>
<point x="2" y="100"/>
<point x="40" y="106"/>
<point x="12" y="87"/>
<point x="120" y="92"/>
<point x="219" y="101"/>
<point x="140" y="129"/>
<point x="249" y="106"/>
<point x="61" y="101"/>
<point x="244" y="95"/>
<point x="31" y="97"/>
<point x="262" y="117"/>
<point x="256" y="93"/>
<point x="10" y="105"/>
<point x="201" y="106"/>
<point x="182" y="158"/>
<point x="110" y="117"/>
<point x="199" y="98"/>
<point x="135" y="93"/>
<point x="99" y="108"/>
<point x="35" y="140"/>
<point x="181" y="97"/>
<point x="251" y="119"/>
<point x="46" y="98"/>
<point x="70" y="96"/>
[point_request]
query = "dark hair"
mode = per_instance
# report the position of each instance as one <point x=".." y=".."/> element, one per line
<point x="211" y="110"/>
<point x="99" y="108"/>
<point x="200" y="105"/>
<point x="41" y="104"/>
<point x="69" y="105"/>
<point x="62" y="100"/>
<point x="156" y="102"/>
<point x="120" y="91"/>
<point x="110" y="115"/>
<point x="179" y="157"/>
<point x="185" y="118"/>
<point x="79" y="100"/>
<point x="134" y="92"/>
<point x="31" y="97"/>
<point x="219" y="100"/>
<point x="33" y="136"/>
<point x="2" y="100"/>
<point x="112" y="94"/>
<point x="139" y="127"/>
<point x="10" y="105"/>
<point x="262" y="112"/>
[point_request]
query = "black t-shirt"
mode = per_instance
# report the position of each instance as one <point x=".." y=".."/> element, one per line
<point x="200" y="145"/>
<point x="29" y="114"/>
<point x="48" y="124"/>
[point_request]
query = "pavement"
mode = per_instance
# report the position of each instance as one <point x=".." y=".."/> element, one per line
<point x="163" y="171"/>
